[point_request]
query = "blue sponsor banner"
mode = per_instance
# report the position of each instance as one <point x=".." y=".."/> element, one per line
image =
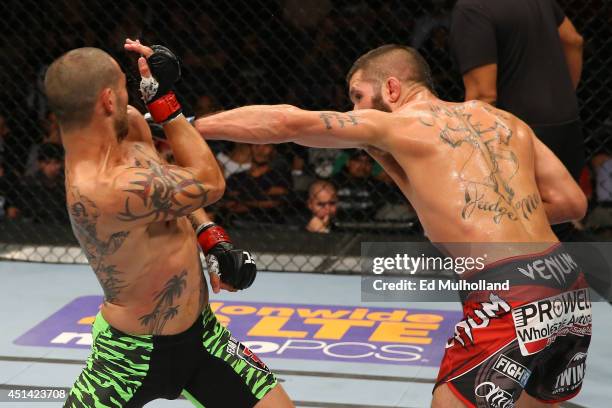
<point x="302" y="331"/>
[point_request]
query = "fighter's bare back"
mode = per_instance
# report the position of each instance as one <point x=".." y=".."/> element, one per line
<point x="467" y="169"/>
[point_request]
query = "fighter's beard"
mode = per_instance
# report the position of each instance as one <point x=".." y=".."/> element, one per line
<point x="121" y="127"/>
<point x="379" y="104"/>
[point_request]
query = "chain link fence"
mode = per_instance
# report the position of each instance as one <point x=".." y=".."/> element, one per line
<point x="247" y="52"/>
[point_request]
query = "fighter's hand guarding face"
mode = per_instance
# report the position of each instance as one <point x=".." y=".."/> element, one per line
<point x="159" y="69"/>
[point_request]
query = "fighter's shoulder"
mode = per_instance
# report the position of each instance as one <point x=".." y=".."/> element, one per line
<point x="138" y="128"/>
<point x="90" y="197"/>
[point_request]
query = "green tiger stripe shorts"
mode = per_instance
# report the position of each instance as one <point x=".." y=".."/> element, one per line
<point x="204" y="363"/>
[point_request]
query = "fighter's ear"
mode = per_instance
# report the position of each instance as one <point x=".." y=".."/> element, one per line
<point x="107" y="101"/>
<point x="393" y="87"/>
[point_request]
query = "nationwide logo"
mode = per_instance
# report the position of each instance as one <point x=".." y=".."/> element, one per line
<point x="539" y="323"/>
<point x="494" y="396"/>
<point x="572" y="376"/>
<point x="288" y="330"/>
<point x="555" y="267"/>
<point x="480" y="319"/>
<point x="513" y="370"/>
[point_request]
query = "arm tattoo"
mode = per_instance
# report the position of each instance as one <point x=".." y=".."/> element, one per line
<point x="490" y="145"/>
<point x="339" y="119"/>
<point x="160" y="189"/>
<point x="165" y="308"/>
<point x="84" y="216"/>
<point x="194" y="222"/>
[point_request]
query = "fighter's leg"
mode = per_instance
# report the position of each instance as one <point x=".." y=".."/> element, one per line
<point x="230" y="375"/>
<point x="443" y="397"/>
<point x="116" y="370"/>
<point x="276" y="398"/>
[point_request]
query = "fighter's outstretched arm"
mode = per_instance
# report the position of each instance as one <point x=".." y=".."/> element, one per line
<point x="285" y="123"/>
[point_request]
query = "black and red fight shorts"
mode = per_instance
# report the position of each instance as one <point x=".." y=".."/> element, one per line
<point x="533" y="337"/>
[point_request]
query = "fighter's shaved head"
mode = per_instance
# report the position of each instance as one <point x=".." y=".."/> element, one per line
<point x="402" y="62"/>
<point x="74" y="81"/>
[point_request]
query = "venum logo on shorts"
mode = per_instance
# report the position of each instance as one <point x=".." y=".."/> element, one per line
<point x="539" y="323"/>
<point x="513" y="370"/>
<point x="236" y="348"/>
<point x="556" y="267"/>
<point x="573" y="374"/>
<point x="481" y="318"/>
<point x="494" y="396"/>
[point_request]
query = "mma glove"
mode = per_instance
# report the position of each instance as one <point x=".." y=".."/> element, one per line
<point x="235" y="267"/>
<point x="157" y="90"/>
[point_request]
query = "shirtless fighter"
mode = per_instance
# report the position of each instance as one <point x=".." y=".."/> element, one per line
<point x="474" y="174"/>
<point x="155" y="336"/>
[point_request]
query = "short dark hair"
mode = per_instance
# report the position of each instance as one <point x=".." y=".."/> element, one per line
<point x="393" y="59"/>
<point x="73" y="83"/>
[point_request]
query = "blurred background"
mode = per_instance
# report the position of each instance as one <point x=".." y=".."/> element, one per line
<point x="304" y="209"/>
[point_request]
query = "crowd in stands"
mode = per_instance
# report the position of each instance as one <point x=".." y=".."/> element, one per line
<point x="269" y="52"/>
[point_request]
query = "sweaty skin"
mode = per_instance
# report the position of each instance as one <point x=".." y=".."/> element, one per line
<point x="150" y="272"/>
<point x="472" y="172"/>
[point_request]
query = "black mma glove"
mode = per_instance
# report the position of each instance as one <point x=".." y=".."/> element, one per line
<point x="235" y="267"/>
<point x="157" y="89"/>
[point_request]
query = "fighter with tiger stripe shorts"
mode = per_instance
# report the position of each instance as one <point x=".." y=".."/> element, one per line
<point x="533" y="337"/>
<point x="204" y="363"/>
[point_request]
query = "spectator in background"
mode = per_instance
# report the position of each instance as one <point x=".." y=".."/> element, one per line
<point x="306" y="15"/>
<point x="237" y="160"/>
<point x="437" y="50"/>
<point x="260" y="191"/>
<point x="323" y="205"/>
<point x="42" y="196"/>
<point x="437" y="14"/>
<point x="8" y="187"/>
<point x="525" y="57"/>
<point x="51" y="134"/>
<point x="322" y="161"/>
<point x="5" y="132"/>
<point x="205" y="105"/>
<point x="360" y="194"/>
<point x="394" y="207"/>
<point x="14" y="144"/>
<point x="600" y="217"/>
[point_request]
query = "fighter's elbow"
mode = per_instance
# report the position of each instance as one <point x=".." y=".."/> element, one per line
<point x="577" y="206"/>
<point x="570" y="207"/>
<point x="212" y="182"/>
<point x="574" y="40"/>
<point x="216" y="191"/>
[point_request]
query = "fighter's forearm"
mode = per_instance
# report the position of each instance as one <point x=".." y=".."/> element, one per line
<point x="199" y="217"/>
<point x="251" y="124"/>
<point x="191" y="151"/>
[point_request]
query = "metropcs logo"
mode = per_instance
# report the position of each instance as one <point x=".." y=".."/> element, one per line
<point x="313" y="332"/>
<point x="538" y="324"/>
<point x="513" y="370"/>
<point x="573" y="374"/>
